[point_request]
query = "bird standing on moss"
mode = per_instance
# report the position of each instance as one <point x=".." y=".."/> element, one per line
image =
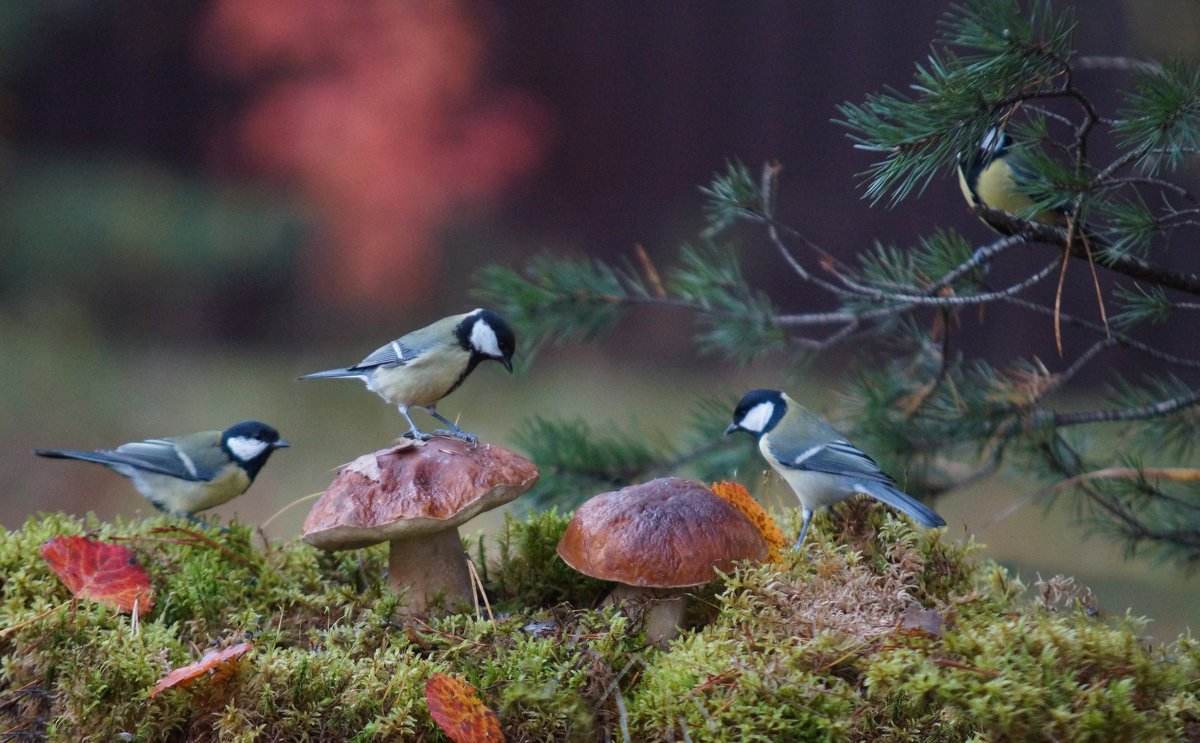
<point x="815" y="460"/>
<point x="424" y="366"/>
<point x="182" y="475"/>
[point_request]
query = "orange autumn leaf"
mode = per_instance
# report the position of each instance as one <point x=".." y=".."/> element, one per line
<point x="218" y="664"/>
<point x="770" y="531"/>
<point x="457" y="709"/>
<point x="99" y="571"/>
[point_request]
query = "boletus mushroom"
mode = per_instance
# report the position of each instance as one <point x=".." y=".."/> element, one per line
<point x="655" y="540"/>
<point x="414" y="496"/>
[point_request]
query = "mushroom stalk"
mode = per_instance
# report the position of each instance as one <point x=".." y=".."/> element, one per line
<point x="431" y="569"/>
<point x="414" y="496"/>
<point x="663" y="610"/>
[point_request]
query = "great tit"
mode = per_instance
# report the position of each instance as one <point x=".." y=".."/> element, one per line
<point x="424" y="366"/>
<point x="817" y="461"/>
<point x="181" y="475"/>
<point x="987" y="178"/>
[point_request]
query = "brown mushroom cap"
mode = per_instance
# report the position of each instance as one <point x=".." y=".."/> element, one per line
<point x="666" y="533"/>
<point x="415" y="489"/>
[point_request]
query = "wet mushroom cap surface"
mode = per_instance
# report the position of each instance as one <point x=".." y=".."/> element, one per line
<point x="414" y="489"/>
<point x="666" y="533"/>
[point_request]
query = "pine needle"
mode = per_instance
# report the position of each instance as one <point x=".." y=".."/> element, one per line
<point x="296" y="502"/>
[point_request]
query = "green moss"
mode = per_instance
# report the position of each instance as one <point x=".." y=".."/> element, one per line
<point x="715" y="686"/>
<point x="818" y="648"/>
<point x="530" y="573"/>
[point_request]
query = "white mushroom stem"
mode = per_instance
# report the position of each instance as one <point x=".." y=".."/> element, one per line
<point x="430" y="569"/>
<point x="662" y="609"/>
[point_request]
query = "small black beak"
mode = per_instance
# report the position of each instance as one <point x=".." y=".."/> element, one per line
<point x="507" y="364"/>
<point x="732" y="427"/>
<point x="281" y="444"/>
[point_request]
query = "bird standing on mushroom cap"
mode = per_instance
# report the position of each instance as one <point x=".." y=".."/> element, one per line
<point x="815" y="460"/>
<point x="424" y="366"/>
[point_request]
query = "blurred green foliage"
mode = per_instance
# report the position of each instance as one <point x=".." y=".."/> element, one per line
<point x="136" y="243"/>
<point x="76" y="221"/>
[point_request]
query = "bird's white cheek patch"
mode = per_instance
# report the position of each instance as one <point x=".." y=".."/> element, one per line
<point x="246" y="448"/>
<point x="756" y="419"/>
<point x="483" y="339"/>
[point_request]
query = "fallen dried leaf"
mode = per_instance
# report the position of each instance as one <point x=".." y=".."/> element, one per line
<point x="106" y="573"/>
<point x="457" y="709"/>
<point x="367" y="466"/>
<point x="219" y="664"/>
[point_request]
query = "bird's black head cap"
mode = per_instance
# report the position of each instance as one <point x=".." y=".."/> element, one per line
<point x="487" y="336"/>
<point x="994" y="144"/>
<point x="758" y="412"/>
<point x="250" y="444"/>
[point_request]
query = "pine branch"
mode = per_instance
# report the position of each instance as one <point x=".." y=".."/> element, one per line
<point x="1107" y="62"/>
<point x="924" y="407"/>
<point x="1127" y="265"/>
<point x="579" y="460"/>
<point x="1120" y="338"/>
<point x="1156" y="410"/>
<point x="1163" y="116"/>
<point x="1126" y="510"/>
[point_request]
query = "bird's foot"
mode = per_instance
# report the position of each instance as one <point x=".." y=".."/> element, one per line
<point x="458" y="433"/>
<point x="193" y="518"/>
<point x="416" y="435"/>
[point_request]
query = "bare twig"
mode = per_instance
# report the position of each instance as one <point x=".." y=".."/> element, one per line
<point x="1110" y="62"/>
<point x="1119" y="338"/>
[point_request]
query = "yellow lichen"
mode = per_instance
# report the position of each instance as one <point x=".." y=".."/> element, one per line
<point x="770" y="531"/>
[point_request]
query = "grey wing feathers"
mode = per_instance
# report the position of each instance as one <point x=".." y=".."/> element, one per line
<point x="390" y="355"/>
<point x="835" y="458"/>
<point x="143" y="456"/>
<point x="395" y="353"/>
<point x="399" y="352"/>
<point x="843" y="458"/>
<point x="203" y="463"/>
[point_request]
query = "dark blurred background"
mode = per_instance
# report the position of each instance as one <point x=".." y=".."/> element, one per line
<point x="201" y="200"/>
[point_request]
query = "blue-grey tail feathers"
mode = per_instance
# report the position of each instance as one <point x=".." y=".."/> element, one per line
<point x="923" y="514"/>
<point x="69" y="454"/>
<point x="87" y="456"/>
<point x="333" y="374"/>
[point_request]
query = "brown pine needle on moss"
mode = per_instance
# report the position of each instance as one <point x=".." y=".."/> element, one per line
<point x="13" y="628"/>
<point x="479" y="590"/>
<point x="290" y="506"/>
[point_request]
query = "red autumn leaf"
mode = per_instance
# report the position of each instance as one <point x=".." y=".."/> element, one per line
<point x="103" y="572"/>
<point x="456" y="708"/>
<point x="217" y="663"/>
